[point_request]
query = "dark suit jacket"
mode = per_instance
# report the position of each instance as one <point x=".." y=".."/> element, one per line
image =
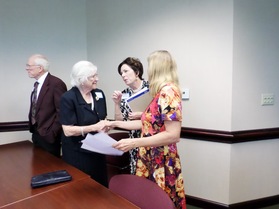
<point x="75" y="111"/>
<point x="48" y="107"/>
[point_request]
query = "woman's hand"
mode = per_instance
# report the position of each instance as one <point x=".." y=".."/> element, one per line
<point x="108" y="125"/>
<point x="125" y="144"/>
<point x="103" y="126"/>
<point x="116" y="97"/>
<point x="100" y="126"/>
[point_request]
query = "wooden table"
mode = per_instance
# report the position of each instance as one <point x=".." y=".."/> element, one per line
<point x="84" y="194"/>
<point x="20" y="161"/>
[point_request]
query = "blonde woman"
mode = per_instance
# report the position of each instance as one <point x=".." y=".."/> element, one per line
<point x="158" y="158"/>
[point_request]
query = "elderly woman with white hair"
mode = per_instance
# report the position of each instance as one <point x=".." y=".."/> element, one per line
<point x="83" y="110"/>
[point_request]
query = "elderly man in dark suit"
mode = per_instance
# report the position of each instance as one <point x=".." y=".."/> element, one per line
<point x="44" y="109"/>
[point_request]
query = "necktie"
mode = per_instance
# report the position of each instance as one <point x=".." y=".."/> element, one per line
<point x="34" y="101"/>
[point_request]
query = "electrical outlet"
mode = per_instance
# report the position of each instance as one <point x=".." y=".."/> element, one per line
<point x="267" y="99"/>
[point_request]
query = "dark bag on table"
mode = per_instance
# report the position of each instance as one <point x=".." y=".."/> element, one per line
<point x="50" y="178"/>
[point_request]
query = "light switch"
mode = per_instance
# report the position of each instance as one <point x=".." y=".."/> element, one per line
<point x="185" y="94"/>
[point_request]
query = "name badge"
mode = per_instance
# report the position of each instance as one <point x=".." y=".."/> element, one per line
<point x="125" y="96"/>
<point x="98" y="95"/>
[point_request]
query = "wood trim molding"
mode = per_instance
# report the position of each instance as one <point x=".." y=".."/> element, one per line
<point x="14" y="126"/>
<point x="189" y="133"/>
<point x="230" y="137"/>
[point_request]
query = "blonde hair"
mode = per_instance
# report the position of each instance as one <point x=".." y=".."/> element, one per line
<point x="162" y="70"/>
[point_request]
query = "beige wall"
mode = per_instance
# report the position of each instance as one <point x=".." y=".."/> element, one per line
<point x="54" y="28"/>
<point x="199" y="34"/>
<point x="226" y="54"/>
<point x="255" y="64"/>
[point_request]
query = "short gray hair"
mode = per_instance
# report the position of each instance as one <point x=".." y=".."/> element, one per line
<point x="81" y="71"/>
<point x="42" y="61"/>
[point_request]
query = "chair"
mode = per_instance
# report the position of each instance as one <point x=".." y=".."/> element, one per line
<point x="118" y="164"/>
<point x="140" y="191"/>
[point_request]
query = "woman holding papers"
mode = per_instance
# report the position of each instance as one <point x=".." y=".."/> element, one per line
<point x="131" y="71"/>
<point x="82" y="110"/>
<point x="158" y="158"/>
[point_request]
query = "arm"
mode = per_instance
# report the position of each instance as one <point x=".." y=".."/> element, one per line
<point x="116" y="97"/>
<point x="58" y="89"/>
<point x="169" y="136"/>
<point x="70" y="130"/>
<point x="128" y="125"/>
<point x="135" y="115"/>
<point x="71" y="114"/>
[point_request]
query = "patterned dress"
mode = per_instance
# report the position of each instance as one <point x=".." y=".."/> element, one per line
<point x="125" y="110"/>
<point x="162" y="164"/>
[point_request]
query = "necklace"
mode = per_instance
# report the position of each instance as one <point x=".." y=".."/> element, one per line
<point x="89" y="99"/>
<point x="92" y="102"/>
<point x="136" y="90"/>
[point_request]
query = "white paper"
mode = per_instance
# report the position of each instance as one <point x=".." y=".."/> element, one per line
<point x="101" y="143"/>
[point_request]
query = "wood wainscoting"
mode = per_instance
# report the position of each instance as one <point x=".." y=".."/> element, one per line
<point x="191" y="133"/>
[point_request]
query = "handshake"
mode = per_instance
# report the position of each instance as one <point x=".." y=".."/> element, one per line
<point x="105" y="126"/>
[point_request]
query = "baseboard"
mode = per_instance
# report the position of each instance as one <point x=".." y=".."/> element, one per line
<point x="251" y="204"/>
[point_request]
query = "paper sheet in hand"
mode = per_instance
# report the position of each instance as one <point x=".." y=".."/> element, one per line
<point x="139" y="101"/>
<point x="101" y="143"/>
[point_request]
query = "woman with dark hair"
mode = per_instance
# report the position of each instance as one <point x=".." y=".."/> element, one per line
<point x="131" y="71"/>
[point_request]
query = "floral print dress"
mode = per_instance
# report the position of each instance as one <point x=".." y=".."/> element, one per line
<point x="125" y="110"/>
<point x="162" y="164"/>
